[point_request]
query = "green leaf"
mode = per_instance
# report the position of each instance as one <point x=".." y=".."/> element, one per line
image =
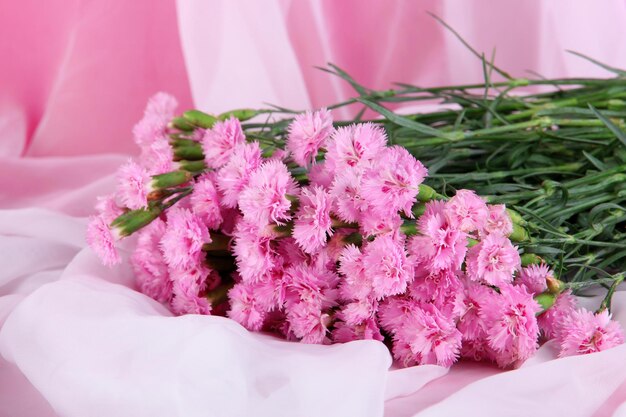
<point x="619" y="133"/>
<point x="403" y="121"/>
<point x="595" y="161"/>
<point x="609" y="68"/>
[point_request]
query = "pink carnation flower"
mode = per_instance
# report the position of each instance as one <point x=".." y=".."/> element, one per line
<point x="551" y="320"/>
<point x="290" y="252"/>
<point x="358" y="311"/>
<point x="311" y="285"/>
<point x="432" y="337"/>
<point x="440" y="245"/>
<point x="221" y="140"/>
<point x="101" y="238"/>
<point x="468" y="306"/>
<point x="308" y="323"/>
<point x="374" y="224"/>
<point x="467" y="211"/>
<point x="394" y="311"/>
<point x="493" y="261"/>
<point x="183" y="239"/>
<point x="441" y="288"/>
<point x="205" y="202"/>
<point x="185" y="303"/>
<point x="511" y="324"/>
<point x="188" y="289"/>
<point x="158" y="157"/>
<point x="150" y="268"/>
<point x="253" y="251"/>
<point x="270" y="290"/>
<point x="534" y="277"/>
<point x="265" y="200"/>
<point x="233" y="177"/>
<point x="159" y="111"/>
<point x="356" y="285"/>
<point x="346" y="192"/>
<point x="386" y="265"/>
<point x="107" y="208"/>
<point x="354" y="146"/>
<point x="498" y="221"/>
<point x="320" y="175"/>
<point x="367" y="330"/>
<point x="307" y="134"/>
<point x="134" y="185"/>
<point x="584" y="332"/>
<point x="245" y="308"/>
<point x="313" y="224"/>
<point x="392" y="182"/>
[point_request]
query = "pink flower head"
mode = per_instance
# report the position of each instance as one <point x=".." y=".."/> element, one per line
<point x="551" y="320"/>
<point x="308" y="323"/>
<point x="205" y="202"/>
<point x="498" y="221"/>
<point x="467" y="307"/>
<point x="584" y="332"/>
<point x="253" y="251"/>
<point x="307" y="134"/>
<point x="441" y="288"/>
<point x="244" y="307"/>
<point x="220" y="142"/>
<point x="358" y="311"/>
<point x="374" y="224"/>
<point x="159" y="111"/>
<point x="493" y="261"/>
<point x="188" y="289"/>
<point x="432" y="336"/>
<point x="320" y="175"/>
<point x="393" y="312"/>
<point x="185" y="303"/>
<point x="134" y="185"/>
<point x="355" y="146"/>
<point x="346" y="192"/>
<point x="107" y="208"/>
<point x="158" y="157"/>
<point x="311" y="285"/>
<point x="356" y="285"/>
<point x="150" y="268"/>
<point x="534" y="278"/>
<point x="183" y="239"/>
<point x="290" y="252"/>
<point x="313" y="224"/>
<point x="367" y="330"/>
<point x="440" y="245"/>
<point x="265" y="200"/>
<point x="511" y="324"/>
<point x="101" y="238"/>
<point x="467" y="211"/>
<point x="386" y="265"/>
<point x="392" y="182"/>
<point x="269" y="290"/>
<point x="233" y="177"/>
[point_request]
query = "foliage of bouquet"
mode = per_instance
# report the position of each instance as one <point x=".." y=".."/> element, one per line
<point x="324" y="232"/>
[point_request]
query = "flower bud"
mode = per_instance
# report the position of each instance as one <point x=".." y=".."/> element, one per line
<point x="545" y="300"/>
<point x="170" y="179"/>
<point x="131" y="221"/>
<point x="531" y="259"/>
<point x="199" y="119"/>
<point x="241" y="114"/>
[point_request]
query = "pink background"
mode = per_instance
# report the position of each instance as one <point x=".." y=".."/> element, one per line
<point x="74" y="78"/>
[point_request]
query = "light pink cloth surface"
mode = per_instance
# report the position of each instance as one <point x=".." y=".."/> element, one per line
<point x="77" y="340"/>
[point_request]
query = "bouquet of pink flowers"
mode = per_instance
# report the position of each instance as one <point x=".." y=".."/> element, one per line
<point x="332" y="237"/>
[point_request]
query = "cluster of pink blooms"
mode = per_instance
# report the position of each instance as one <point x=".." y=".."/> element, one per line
<point x="339" y="256"/>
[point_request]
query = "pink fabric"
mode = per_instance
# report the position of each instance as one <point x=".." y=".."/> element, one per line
<point x="76" y="339"/>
